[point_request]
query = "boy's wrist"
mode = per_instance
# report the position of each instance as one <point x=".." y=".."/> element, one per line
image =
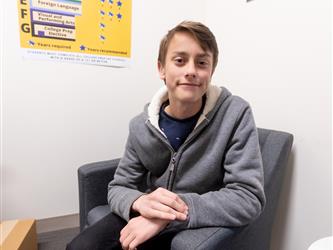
<point x="134" y="206"/>
<point x="134" y="211"/>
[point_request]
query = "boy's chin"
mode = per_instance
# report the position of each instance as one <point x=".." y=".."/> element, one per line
<point x="190" y="99"/>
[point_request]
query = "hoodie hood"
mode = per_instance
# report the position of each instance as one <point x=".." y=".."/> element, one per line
<point x="212" y="95"/>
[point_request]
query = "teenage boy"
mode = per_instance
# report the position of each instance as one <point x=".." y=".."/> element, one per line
<point x="192" y="158"/>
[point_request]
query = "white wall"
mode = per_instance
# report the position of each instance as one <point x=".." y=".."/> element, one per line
<point x="276" y="54"/>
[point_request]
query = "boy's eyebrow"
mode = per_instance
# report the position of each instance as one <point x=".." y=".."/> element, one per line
<point x="181" y="53"/>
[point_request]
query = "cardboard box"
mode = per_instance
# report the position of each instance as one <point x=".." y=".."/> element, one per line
<point x="18" y="235"/>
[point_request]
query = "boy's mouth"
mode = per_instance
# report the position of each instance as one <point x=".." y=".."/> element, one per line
<point x="189" y="84"/>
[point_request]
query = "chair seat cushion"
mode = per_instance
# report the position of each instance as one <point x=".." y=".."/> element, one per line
<point x="97" y="213"/>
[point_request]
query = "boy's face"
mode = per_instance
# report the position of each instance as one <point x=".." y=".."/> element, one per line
<point x="187" y="70"/>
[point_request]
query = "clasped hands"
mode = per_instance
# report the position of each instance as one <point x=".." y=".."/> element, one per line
<point x="156" y="210"/>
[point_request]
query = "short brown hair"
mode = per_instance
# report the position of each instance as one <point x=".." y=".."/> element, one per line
<point x="199" y="31"/>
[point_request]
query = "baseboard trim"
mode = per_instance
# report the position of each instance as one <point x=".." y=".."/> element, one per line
<point x="57" y="223"/>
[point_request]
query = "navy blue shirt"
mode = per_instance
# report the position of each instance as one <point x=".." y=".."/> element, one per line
<point x="175" y="129"/>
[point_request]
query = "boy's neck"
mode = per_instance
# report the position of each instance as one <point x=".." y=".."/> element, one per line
<point x="182" y="111"/>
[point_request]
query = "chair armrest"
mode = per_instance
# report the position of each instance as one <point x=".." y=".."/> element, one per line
<point x="93" y="181"/>
<point x="206" y="238"/>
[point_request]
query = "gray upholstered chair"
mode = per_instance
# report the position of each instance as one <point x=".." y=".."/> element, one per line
<point x="275" y="148"/>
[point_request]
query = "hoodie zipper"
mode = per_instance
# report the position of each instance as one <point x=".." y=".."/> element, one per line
<point x="171" y="171"/>
<point x="173" y="158"/>
<point x="173" y="168"/>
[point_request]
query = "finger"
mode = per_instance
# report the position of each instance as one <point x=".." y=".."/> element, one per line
<point x="158" y="214"/>
<point x="138" y="241"/>
<point x="133" y="245"/>
<point x="124" y="233"/>
<point x="125" y="244"/>
<point x="171" y="195"/>
<point x="173" y="202"/>
<point x="167" y="212"/>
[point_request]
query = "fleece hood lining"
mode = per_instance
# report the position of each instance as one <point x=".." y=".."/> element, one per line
<point x="212" y="94"/>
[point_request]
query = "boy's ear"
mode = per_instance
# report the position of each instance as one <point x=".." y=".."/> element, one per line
<point x="161" y="70"/>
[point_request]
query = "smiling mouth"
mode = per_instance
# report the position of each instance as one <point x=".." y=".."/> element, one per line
<point x="189" y="84"/>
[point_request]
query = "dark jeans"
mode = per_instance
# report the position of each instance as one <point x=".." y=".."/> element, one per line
<point x="105" y="234"/>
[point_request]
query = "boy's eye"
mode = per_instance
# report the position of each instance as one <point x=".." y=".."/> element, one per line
<point x="179" y="60"/>
<point x="203" y="63"/>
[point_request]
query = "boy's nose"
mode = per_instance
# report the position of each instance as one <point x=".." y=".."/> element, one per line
<point x="191" y="70"/>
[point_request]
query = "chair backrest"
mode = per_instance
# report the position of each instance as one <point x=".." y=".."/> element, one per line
<point x="93" y="179"/>
<point x="275" y="149"/>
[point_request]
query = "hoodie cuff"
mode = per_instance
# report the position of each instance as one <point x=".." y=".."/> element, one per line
<point x="130" y="198"/>
<point x="186" y="224"/>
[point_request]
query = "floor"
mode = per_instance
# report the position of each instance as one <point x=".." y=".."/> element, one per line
<point x="56" y="240"/>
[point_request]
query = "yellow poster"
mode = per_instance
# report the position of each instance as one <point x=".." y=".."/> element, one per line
<point x="79" y="31"/>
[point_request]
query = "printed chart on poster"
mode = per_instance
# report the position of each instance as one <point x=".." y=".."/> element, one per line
<point x="80" y="31"/>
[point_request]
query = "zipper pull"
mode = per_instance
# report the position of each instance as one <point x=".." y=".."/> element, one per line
<point x="172" y="167"/>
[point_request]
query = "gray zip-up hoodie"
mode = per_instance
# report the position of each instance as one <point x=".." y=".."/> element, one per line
<point x="217" y="171"/>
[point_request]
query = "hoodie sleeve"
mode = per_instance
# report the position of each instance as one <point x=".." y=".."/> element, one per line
<point x="123" y="190"/>
<point x="242" y="198"/>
